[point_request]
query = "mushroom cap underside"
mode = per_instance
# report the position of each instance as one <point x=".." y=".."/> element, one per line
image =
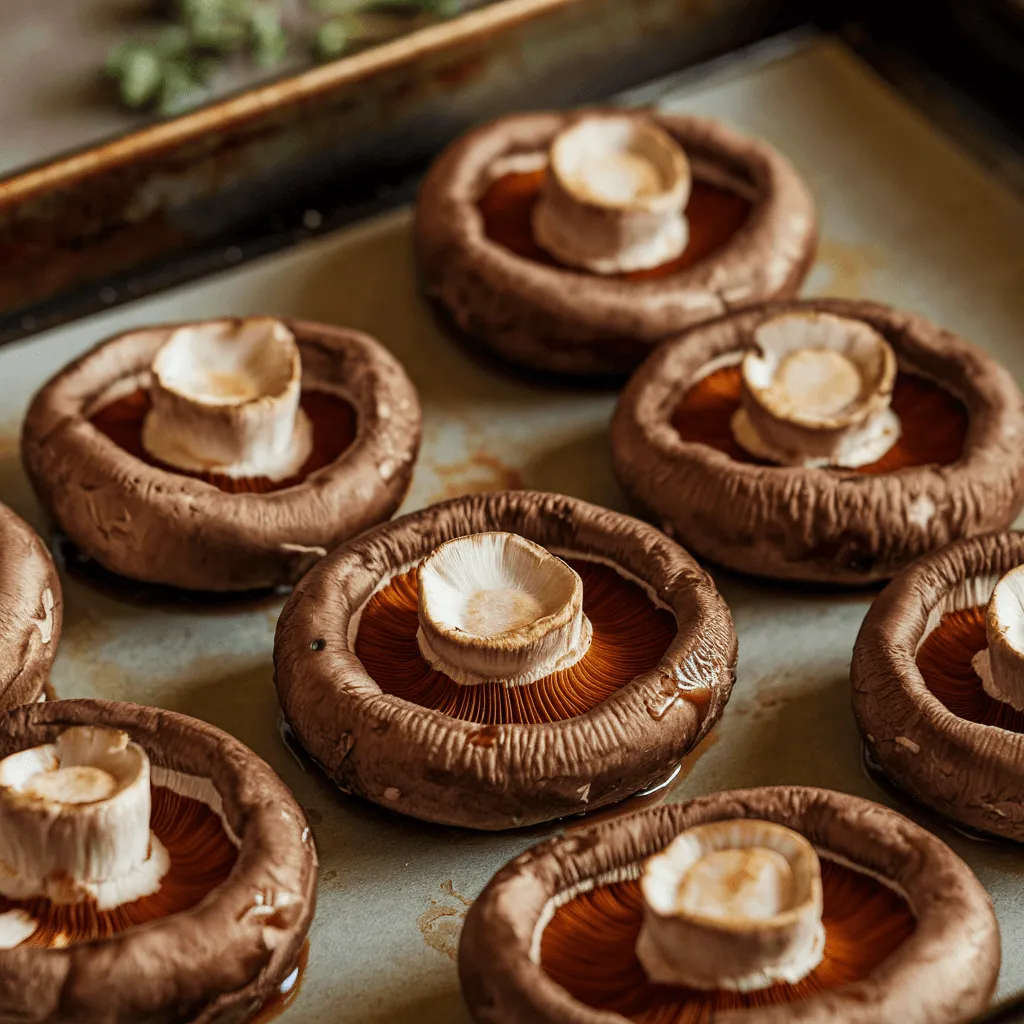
<point x="222" y="959"/>
<point x="824" y="525"/>
<point x="966" y="770"/>
<point x="945" y="970"/>
<point x="150" y="524"/>
<point x="437" y="767"/>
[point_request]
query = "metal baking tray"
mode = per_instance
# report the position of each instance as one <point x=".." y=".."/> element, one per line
<point x="181" y="197"/>
<point x="907" y="217"/>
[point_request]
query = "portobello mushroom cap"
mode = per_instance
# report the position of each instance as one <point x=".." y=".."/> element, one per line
<point x="945" y="970"/>
<point x="825" y="525"/>
<point x="31" y="612"/>
<point x="558" y="320"/>
<point x="967" y="771"/>
<point x="160" y="526"/>
<point x="437" y="767"/>
<point x="216" y="962"/>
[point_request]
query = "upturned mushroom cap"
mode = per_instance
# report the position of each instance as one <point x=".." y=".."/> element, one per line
<point x="556" y="320"/>
<point x="494" y="606"/>
<point x="965" y="770"/>
<point x="945" y="970"/>
<point x="819" y="524"/>
<point x="184" y="532"/>
<point x="816" y="391"/>
<point x="223" y="958"/>
<point x="430" y="765"/>
<point x="31" y="612"/>
<point x="1001" y="665"/>
<point x="74" y="821"/>
<point x="225" y="398"/>
<point x="732" y="905"/>
<point x="614" y="197"/>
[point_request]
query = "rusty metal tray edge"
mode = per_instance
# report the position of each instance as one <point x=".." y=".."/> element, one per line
<point x="350" y="126"/>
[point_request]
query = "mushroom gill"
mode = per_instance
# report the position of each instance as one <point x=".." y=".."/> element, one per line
<point x="226" y="405"/>
<point x="947" y="660"/>
<point x="933" y="421"/>
<point x="628" y="636"/>
<point x="589" y="948"/>
<point x="90" y="847"/>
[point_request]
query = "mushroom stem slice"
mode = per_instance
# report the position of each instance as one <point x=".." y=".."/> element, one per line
<point x="614" y="197"/>
<point x="732" y="905"/>
<point x="225" y="399"/>
<point x="74" y="820"/>
<point x="816" y="391"/>
<point x="495" y="607"/>
<point x="1001" y="664"/>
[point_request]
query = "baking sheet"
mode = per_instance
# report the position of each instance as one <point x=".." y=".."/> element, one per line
<point x="180" y="198"/>
<point x="906" y="218"/>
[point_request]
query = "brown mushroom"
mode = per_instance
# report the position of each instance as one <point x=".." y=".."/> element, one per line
<point x="557" y="243"/>
<point x="635" y="673"/>
<point x="190" y="455"/>
<point x="31" y="612"/>
<point x="117" y="816"/>
<point x="938" y="715"/>
<point x="945" y="440"/>
<point x="558" y="935"/>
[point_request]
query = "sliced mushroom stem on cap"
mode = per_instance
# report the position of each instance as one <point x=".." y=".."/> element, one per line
<point x="614" y="197"/>
<point x="732" y="905"/>
<point x="1001" y="664"/>
<point x="225" y="398"/>
<point x="816" y="391"/>
<point x="75" y="821"/>
<point x="495" y="607"/>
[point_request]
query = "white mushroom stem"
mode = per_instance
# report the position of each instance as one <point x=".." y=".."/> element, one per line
<point x="494" y="607"/>
<point x="225" y="399"/>
<point x="74" y="821"/>
<point x="1001" y="664"/>
<point x="614" y="196"/>
<point x="816" y="391"/>
<point x="732" y="905"/>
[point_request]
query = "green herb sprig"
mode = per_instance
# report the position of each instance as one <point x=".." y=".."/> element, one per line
<point x="170" y="72"/>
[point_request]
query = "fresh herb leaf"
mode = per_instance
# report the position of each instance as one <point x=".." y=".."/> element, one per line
<point x="268" y="39"/>
<point x="140" y="76"/>
<point x="332" y="39"/>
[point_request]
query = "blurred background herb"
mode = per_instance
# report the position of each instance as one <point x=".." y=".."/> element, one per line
<point x="170" y="69"/>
